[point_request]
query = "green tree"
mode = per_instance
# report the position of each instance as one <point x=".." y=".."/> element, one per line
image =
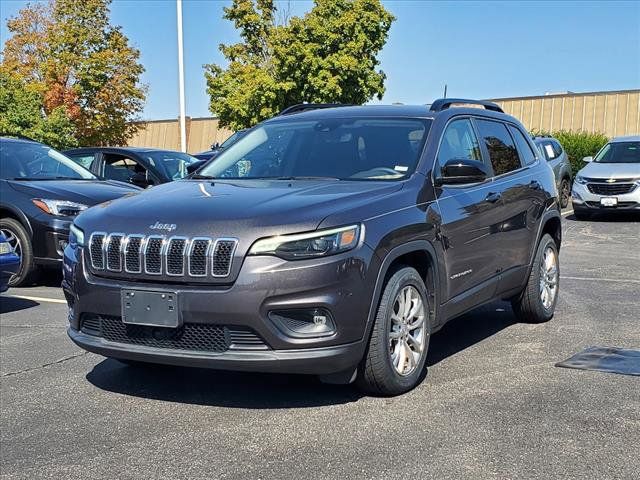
<point x="328" y="55"/>
<point x="81" y="66"/>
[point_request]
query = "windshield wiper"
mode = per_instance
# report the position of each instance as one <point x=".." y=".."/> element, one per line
<point x="32" y="179"/>
<point x="301" y="177"/>
<point x="197" y="176"/>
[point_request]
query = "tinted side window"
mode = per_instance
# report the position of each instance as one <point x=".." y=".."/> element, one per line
<point x="459" y="141"/>
<point x="118" y="167"/>
<point x="84" y="159"/>
<point x="548" y="150"/>
<point x="556" y="148"/>
<point x="524" y="149"/>
<point x="502" y="150"/>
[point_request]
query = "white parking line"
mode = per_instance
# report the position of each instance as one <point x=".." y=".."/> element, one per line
<point x="567" y="212"/>
<point x="596" y="279"/>
<point x="38" y="299"/>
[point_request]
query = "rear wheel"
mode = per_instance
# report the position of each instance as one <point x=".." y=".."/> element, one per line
<point x="395" y="359"/>
<point x="565" y="192"/>
<point x="537" y="302"/>
<point x="19" y="239"/>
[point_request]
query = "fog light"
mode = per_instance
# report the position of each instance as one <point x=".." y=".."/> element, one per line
<point x="304" y="323"/>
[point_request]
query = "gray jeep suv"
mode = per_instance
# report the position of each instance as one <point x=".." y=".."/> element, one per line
<point x="329" y="241"/>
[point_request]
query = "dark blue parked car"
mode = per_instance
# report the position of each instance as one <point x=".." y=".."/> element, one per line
<point x="9" y="263"/>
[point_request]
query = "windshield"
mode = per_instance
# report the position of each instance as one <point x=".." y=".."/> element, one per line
<point x="174" y="164"/>
<point x="233" y="138"/>
<point x="619" y="152"/>
<point x="340" y="148"/>
<point x="34" y="161"/>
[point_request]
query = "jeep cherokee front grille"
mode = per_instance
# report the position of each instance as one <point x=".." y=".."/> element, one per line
<point x="158" y="255"/>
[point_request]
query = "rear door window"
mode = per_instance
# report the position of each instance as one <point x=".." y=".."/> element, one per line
<point x="524" y="148"/>
<point x="500" y="146"/>
<point x="119" y="167"/>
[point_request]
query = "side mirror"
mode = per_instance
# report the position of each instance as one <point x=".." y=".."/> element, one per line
<point x="140" y="179"/>
<point x="461" y="171"/>
<point x="587" y="159"/>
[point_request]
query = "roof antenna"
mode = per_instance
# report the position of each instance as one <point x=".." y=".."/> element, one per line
<point x="445" y="91"/>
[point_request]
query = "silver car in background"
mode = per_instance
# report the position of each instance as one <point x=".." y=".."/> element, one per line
<point x="611" y="179"/>
<point x="552" y="150"/>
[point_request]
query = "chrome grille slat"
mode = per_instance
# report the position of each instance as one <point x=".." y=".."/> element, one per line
<point x="133" y="254"/>
<point x="96" y="250"/>
<point x="222" y="257"/>
<point x="113" y="247"/>
<point x="176" y="247"/>
<point x="159" y="255"/>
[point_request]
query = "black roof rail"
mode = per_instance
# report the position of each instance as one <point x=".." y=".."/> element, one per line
<point x="19" y="136"/>
<point x="444" y="103"/>
<point x="303" y="107"/>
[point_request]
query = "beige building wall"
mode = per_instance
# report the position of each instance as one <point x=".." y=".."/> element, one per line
<point x="612" y="113"/>
<point x="201" y="133"/>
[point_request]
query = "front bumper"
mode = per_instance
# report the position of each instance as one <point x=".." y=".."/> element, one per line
<point x="316" y="361"/>
<point x="50" y="237"/>
<point x="340" y="284"/>
<point x="585" y="200"/>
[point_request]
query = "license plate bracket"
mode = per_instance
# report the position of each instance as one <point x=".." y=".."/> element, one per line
<point x="150" y="308"/>
<point x="609" y="201"/>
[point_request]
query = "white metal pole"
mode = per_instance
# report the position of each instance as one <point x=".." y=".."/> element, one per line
<point x="183" y="126"/>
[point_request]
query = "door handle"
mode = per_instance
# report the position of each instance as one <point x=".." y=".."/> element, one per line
<point x="493" y="197"/>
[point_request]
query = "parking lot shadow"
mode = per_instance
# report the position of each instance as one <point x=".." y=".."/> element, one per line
<point x="469" y="329"/>
<point x="253" y="390"/>
<point x="201" y="386"/>
<point x="609" y="217"/>
<point x="13" y="304"/>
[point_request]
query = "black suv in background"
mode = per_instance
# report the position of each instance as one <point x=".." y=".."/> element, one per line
<point x="41" y="192"/>
<point x="140" y="166"/>
<point x="332" y="242"/>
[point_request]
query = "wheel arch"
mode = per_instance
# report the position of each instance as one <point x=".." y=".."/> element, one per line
<point x="419" y="254"/>
<point x="8" y="211"/>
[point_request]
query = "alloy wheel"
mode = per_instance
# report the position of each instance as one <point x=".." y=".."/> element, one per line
<point x="548" y="277"/>
<point x="407" y="333"/>
<point x="15" y="243"/>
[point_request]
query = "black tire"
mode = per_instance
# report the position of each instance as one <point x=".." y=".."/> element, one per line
<point x="529" y="306"/>
<point x="376" y="374"/>
<point x="565" y="192"/>
<point x="27" y="273"/>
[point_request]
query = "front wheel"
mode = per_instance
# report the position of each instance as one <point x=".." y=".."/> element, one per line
<point x="20" y="241"/>
<point x="395" y="359"/>
<point x="537" y="302"/>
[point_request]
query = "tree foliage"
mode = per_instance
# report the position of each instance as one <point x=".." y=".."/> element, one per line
<point x="328" y="55"/>
<point x="79" y="67"/>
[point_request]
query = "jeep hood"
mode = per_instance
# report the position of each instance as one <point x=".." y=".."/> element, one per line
<point x="246" y="209"/>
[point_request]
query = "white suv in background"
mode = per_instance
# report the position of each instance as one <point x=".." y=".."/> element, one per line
<point x="611" y="180"/>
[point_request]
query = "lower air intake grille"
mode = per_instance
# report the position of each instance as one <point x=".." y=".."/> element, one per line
<point x="191" y="336"/>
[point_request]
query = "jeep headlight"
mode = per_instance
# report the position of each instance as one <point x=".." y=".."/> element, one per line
<point x="309" y="245"/>
<point x="581" y="180"/>
<point x="76" y="237"/>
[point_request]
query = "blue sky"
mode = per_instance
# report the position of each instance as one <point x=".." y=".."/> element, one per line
<point x="480" y="49"/>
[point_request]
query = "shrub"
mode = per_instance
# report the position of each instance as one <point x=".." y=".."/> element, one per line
<point x="578" y="145"/>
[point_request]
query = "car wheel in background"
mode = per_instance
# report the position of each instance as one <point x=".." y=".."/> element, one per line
<point x="18" y="238"/>
<point x="565" y="192"/>
<point x="537" y="302"/>
<point x="395" y="358"/>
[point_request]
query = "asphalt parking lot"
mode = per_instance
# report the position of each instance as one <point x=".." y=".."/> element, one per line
<point x="493" y="404"/>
